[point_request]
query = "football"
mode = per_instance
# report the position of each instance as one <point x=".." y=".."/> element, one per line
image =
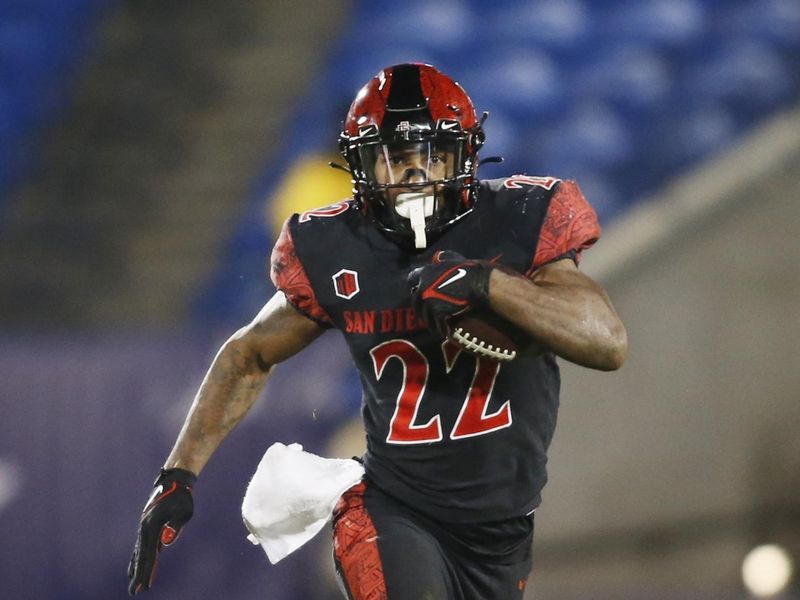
<point x="486" y="334"/>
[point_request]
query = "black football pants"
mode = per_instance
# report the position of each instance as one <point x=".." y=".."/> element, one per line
<point x="383" y="550"/>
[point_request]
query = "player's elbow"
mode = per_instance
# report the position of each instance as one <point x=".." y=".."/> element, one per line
<point x="241" y="355"/>
<point x="615" y="349"/>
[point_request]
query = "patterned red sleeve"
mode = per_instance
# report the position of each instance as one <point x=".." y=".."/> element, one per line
<point x="289" y="276"/>
<point x="569" y="227"/>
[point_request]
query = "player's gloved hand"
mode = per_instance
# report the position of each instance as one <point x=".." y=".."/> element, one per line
<point x="449" y="286"/>
<point x="168" y="509"/>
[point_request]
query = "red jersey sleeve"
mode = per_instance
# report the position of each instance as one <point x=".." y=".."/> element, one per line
<point x="569" y="226"/>
<point x="289" y="276"/>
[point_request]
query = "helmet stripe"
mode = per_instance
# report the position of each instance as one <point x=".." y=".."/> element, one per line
<point x="406" y="101"/>
<point x="406" y="91"/>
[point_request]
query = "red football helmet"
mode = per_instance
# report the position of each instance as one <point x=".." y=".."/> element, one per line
<point x="411" y="140"/>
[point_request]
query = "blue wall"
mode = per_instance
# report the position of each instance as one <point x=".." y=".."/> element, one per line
<point x="88" y="421"/>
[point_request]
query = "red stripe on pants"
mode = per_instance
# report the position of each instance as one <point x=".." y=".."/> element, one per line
<point x="355" y="546"/>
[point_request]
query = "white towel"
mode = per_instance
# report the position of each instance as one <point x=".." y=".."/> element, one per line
<point x="292" y="495"/>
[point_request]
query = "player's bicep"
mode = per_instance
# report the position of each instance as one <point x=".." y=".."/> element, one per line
<point x="563" y="272"/>
<point x="278" y="331"/>
<point x="566" y="274"/>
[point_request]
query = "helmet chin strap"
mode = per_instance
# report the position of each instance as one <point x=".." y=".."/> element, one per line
<point x="415" y="206"/>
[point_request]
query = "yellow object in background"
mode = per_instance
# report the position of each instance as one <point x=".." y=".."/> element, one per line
<point x="309" y="183"/>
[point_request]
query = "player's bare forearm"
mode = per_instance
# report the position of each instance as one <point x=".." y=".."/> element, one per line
<point x="235" y="380"/>
<point x="227" y="393"/>
<point x="564" y="311"/>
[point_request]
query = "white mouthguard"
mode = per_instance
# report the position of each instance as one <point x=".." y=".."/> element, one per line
<point x="415" y="206"/>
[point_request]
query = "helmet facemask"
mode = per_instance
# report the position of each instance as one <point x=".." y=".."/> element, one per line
<point x="415" y="188"/>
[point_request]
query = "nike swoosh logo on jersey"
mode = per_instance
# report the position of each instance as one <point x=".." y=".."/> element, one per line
<point x="455" y="277"/>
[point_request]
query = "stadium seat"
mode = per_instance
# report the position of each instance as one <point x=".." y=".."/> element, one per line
<point x="66" y="13"/>
<point x="773" y="21"/>
<point x="747" y="75"/>
<point x="418" y="23"/>
<point x="686" y="134"/>
<point x="552" y="25"/>
<point x="591" y="134"/>
<point x="40" y="43"/>
<point x="501" y="136"/>
<point x="521" y="81"/>
<point x="632" y="77"/>
<point x="667" y="23"/>
<point x="14" y="116"/>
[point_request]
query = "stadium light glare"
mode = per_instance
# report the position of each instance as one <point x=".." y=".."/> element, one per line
<point x="767" y="570"/>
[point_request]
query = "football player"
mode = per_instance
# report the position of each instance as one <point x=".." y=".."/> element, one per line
<point x="456" y="442"/>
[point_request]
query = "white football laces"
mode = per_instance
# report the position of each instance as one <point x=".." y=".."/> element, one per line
<point x="473" y="344"/>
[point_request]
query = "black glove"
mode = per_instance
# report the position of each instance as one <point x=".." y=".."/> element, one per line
<point x="450" y="285"/>
<point x="169" y="508"/>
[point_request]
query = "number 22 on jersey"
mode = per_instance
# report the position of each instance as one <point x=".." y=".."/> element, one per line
<point x="472" y="420"/>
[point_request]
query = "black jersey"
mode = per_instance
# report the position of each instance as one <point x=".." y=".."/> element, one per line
<point x="458" y="437"/>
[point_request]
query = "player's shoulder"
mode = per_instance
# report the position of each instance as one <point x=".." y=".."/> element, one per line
<point x="320" y="225"/>
<point x="564" y="220"/>
<point x="325" y="216"/>
<point x="310" y="227"/>
<point x="521" y="183"/>
<point x="517" y="196"/>
<point x="518" y="192"/>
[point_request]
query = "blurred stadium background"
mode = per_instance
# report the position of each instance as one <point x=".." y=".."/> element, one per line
<point x="149" y="151"/>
